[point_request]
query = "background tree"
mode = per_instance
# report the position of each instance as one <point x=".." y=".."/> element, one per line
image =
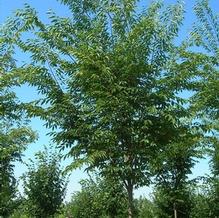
<point x="204" y="204"/>
<point x="15" y="135"/>
<point x="145" y="208"/>
<point x="206" y="35"/>
<point x="213" y="182"/>
<point x="172" y="169"/>
<point x="20" y="209"/>
<point x="12" y="144"/>
<point x="102" y="197"/>
<point x="44" y="185"/>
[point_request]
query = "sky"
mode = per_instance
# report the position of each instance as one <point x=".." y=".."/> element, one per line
<point x="25" y="93"/>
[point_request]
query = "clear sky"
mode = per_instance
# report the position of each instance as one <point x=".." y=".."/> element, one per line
<point x="26" y="93"/>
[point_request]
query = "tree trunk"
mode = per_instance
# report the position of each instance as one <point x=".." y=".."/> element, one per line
<point x="130" y="199"/>
<point x="175" y="210"/>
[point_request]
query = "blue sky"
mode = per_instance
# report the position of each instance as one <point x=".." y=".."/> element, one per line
<point x="26" y="93"/>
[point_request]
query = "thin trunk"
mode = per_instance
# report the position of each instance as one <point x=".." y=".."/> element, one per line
<point x="130" y="199"/>
<point x="175" y="210"/>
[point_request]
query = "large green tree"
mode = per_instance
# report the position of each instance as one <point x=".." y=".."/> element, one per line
<point x="109" y="78"/>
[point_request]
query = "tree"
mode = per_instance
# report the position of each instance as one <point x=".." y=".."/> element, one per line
<point x="173" y="202"/>
<point x="102" y="197"/>
<point x="44" y="185"/>
<point x="206" y="35"/>
<point x="107" y="82"/>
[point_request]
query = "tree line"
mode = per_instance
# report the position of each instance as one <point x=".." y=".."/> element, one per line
<point x="111" y="83"/>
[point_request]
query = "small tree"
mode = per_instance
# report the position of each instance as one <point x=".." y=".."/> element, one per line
<point x="172" y="168"/>
<point x="44" y="185"/>
<point x="99" y="198"/>
<point x="145" y="208"/>
<point x="203" y="206"/>
<point x="214" y="182"/>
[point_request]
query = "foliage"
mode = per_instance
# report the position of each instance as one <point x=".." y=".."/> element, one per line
<point x="15" y="135"/>
<point x="102" y="197"/>
<point x="44" y="185"/>
<point x="201" y="207"/>
<point x="172" y="168"/>
<point x="206" y="35"/>
<point x="205" y="199"/>
<point x="205" y="31"/>
<point x="214" y="181"/>
<point x="169" y="200"/>
<point x="146" y="208"/>
<point x="12" y="143"/>
<point x="20" y="210"/>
